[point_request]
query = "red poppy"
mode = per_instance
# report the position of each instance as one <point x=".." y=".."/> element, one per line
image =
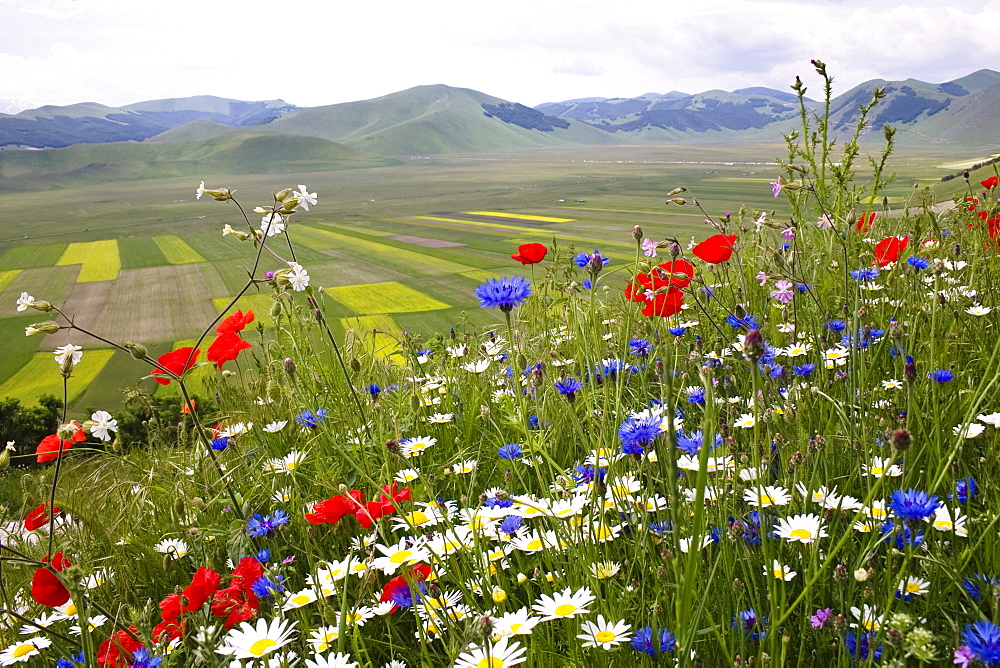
<point x="46" y="587"/>
<point x="865" y="222"/>
<point x="176" y="362"/>
<point x="116" y="651"/>
<point x="374" y="510"/>
<point x="990" y="183"/>
<point x="664" y="304"/>
<point x="226" y="347"/>
<point x="887" y="251"/>
<point x="189" y="406"/>
<point x="39" y="517"/>
<point x="237" y="602"/>
<point x="204" y="583"/>
<point x="331" y="510"/>
<point x="975" y="203"/>
<point x="415" y="575"/>
<point x="51" y="445"/>
<point x="716" y="249"/>
<point x="530" y="253"/>
<point x="235" y="323"/>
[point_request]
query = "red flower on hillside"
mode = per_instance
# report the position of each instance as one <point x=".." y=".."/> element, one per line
<point x="530" y="253"/>
<point x="51" y="445"/>
<point x="375" y="510"/>
<point x="39" y="517"/>
<point x="415" y="575"/>
<point x="203" y="586"/>
<point x="46" y="587"/>
<point x="887" y="251"/>
<point x="331" y="510"/>
<point x="236" y="322"/>
<point x="226" y="347"/>
<point x="865" y="222"/>
<point x="176" y="362"/>
<point x="990" y="183"/>
<point x="716" y="249"/>
<point x="675" y="274"/>
<point x="237" y="602"/>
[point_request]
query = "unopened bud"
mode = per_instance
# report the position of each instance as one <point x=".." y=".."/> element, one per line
<point x="680" y="201"/>
<point x="41" y="328"/>
<point x="753" y="345"/>
<point x="43" y="306"/>
<point x="280" y="196"/>
<point x="221" y="195"/>
<point x="900" y="440"/>
<point x="289" y="365"/>
<point x="136" y="350"/>
<point x="676" y="191"/>
<point x="355" y="365"/>
<point x="840" y="573"/>
<point x="637" y="233"/>
<point x="909" y="370"/>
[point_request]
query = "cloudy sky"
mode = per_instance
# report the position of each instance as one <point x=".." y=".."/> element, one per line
<point x="316" y="52"/>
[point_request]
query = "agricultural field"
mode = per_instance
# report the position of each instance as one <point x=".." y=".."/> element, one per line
<point x="395" y="249"/>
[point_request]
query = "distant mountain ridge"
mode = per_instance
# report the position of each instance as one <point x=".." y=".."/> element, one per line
<point x="88" y="122"/>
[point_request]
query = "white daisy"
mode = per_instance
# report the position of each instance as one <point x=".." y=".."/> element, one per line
<point x="253" y="642"/>
<point x="604" y="634"/>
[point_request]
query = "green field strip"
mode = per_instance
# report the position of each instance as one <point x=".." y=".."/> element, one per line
<point x="339" y="269"/>
<point x="213" y="246"/>
<point x="99" y="260"/>
<point x="480" y="275"/>
<point x="370" y="231"/>
<point x="177" y="251"/>
<point x="260" y="304"/>
<point x="519" y="216"/>
<point x="377" y="298"/>
<point x="41" y="376"/>
<point x="471" y="259"/>
<point x="410" y="258"/>
<point x="30" y="257"/>
<point x="140" y="253"/>
<point x="381" y="344"/>
<point x="647" y="213"/>
<point x="7" y="277"/>
<point x="17" y="346"/>
<point x="51" y="284"/>
<point x="105" y="391"/>
<point x="452" y="226"/>
<point x="441" y="321"/>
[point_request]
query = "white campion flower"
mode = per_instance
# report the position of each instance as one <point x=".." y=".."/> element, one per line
<point x="272" y="224"/>
<point x="200" y="191"/>
<point x="24" y="301"/>
<point x="68" y="352"/>
<point x="298" y="278"/>
<point x="306" y="198"/>
<point x="970" y="430"/>
<point x="103" y="425"/>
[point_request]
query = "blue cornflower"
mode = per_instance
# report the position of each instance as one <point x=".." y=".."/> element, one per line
<point x="918" y="262"/>
<point x="861" y="646"/>
<point x="748" y="622"/>
<point x="862" y="275"/>
<point x="802" y="287"/>
<point x="266" y="525"/>
<point x="804" y="370"/>
<point x="586" y="474"/>
<point x="264" y="587"/>
<point x="748" y="321"/>
<point x="582" y="259"/>
<point x="677" y="331"/>
<point x="637" y="432"/>
<point x="510" y="524"/>
<point x="425" y="352"/>
<point x="403" y="596"/>
<point x="691" y="444"/>
<point x="142" y="658"/>
<point x="640" y="347"/>
<point x="263" y="556"/>
<point x="220" y="443"/>
<point x="643" y="641"/>
<point x="374" y="390"/>
<point x="708" y="291"/>
<point x="940" y="375"/>
<point x="503" y="293"/>
<point x="587" y="285"/>
<point x="983" y="638"/>
<point x="913" y="504"/>
<point x="973" y="584"/>
<point x="749" y="528"/>
<point x="309" y="419"/>
<point x="901" y="536"/>
<point x="835" y="325"/>
<point x="866" y="336"/>
<point x="696" y="395"/>
<point x="510" y="451"/>
<point x="496" y="502"/>
<point x="965" y="489"/>
<point x="568" y="386"/>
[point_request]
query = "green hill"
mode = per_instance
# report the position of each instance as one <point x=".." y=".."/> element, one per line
<point x="427" y="120"/>
<point x="236" y="152"/>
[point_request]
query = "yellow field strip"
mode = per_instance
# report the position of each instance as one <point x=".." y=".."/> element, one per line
<point x="99" y="260"/>
<point x="520" y="216"/>
<point x="7" y="277"/>
<point x="475" y="223"/>
<point x="391" y="251"/>
<point x="41" y="376"/>
<point x="647" y="213"/>
<point x="390" y="297"/>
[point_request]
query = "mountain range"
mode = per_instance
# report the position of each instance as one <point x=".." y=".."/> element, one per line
<point x="90" y="142"/>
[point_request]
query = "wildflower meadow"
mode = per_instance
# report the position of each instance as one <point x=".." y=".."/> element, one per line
<point x="769" y="445"/>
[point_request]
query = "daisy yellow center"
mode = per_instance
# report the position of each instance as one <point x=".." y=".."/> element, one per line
<point x="400" y="556"/>
<point x="354" y="617"/>
<point x="766" y="500"/>
<point x="801" y="534"/>
<point x="912" y="588"/>
<point x="564" y="610"/>
<point x="291" y="465"/>
<point x="604" y="636"/>
<point x="300" y="600"/>
<point x="23" y="650"/>
<point x="70" y="610"/>
<point x="942" y="524"/>
<point x="779" y="572"/>
<point x="877" y="470"/>
<point x="418" y="517"/>
<point x="534" y="545"/>
<point x="871" y="625"/>
<point x="514" y="628"/>
<point x="877" y="512"/>
<point x="261" y="647"/>
<point x="603" y="532"/>
<point x="490" y="662"/>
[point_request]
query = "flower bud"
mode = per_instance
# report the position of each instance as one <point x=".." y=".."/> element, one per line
<point x="280" y="196"/>
<point x="909" y="370"/>
<point x="41" y="327"/>
<point x="221" y="195"/>
<point x="43" y="306"/>
<point x="753" y="345"/>
<point x="637" y="233"/>
<point x="900" y="440"/>
<point x="680" y="201"/>
<point x="136" y="350"/>
<point x="289" y="365"/>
